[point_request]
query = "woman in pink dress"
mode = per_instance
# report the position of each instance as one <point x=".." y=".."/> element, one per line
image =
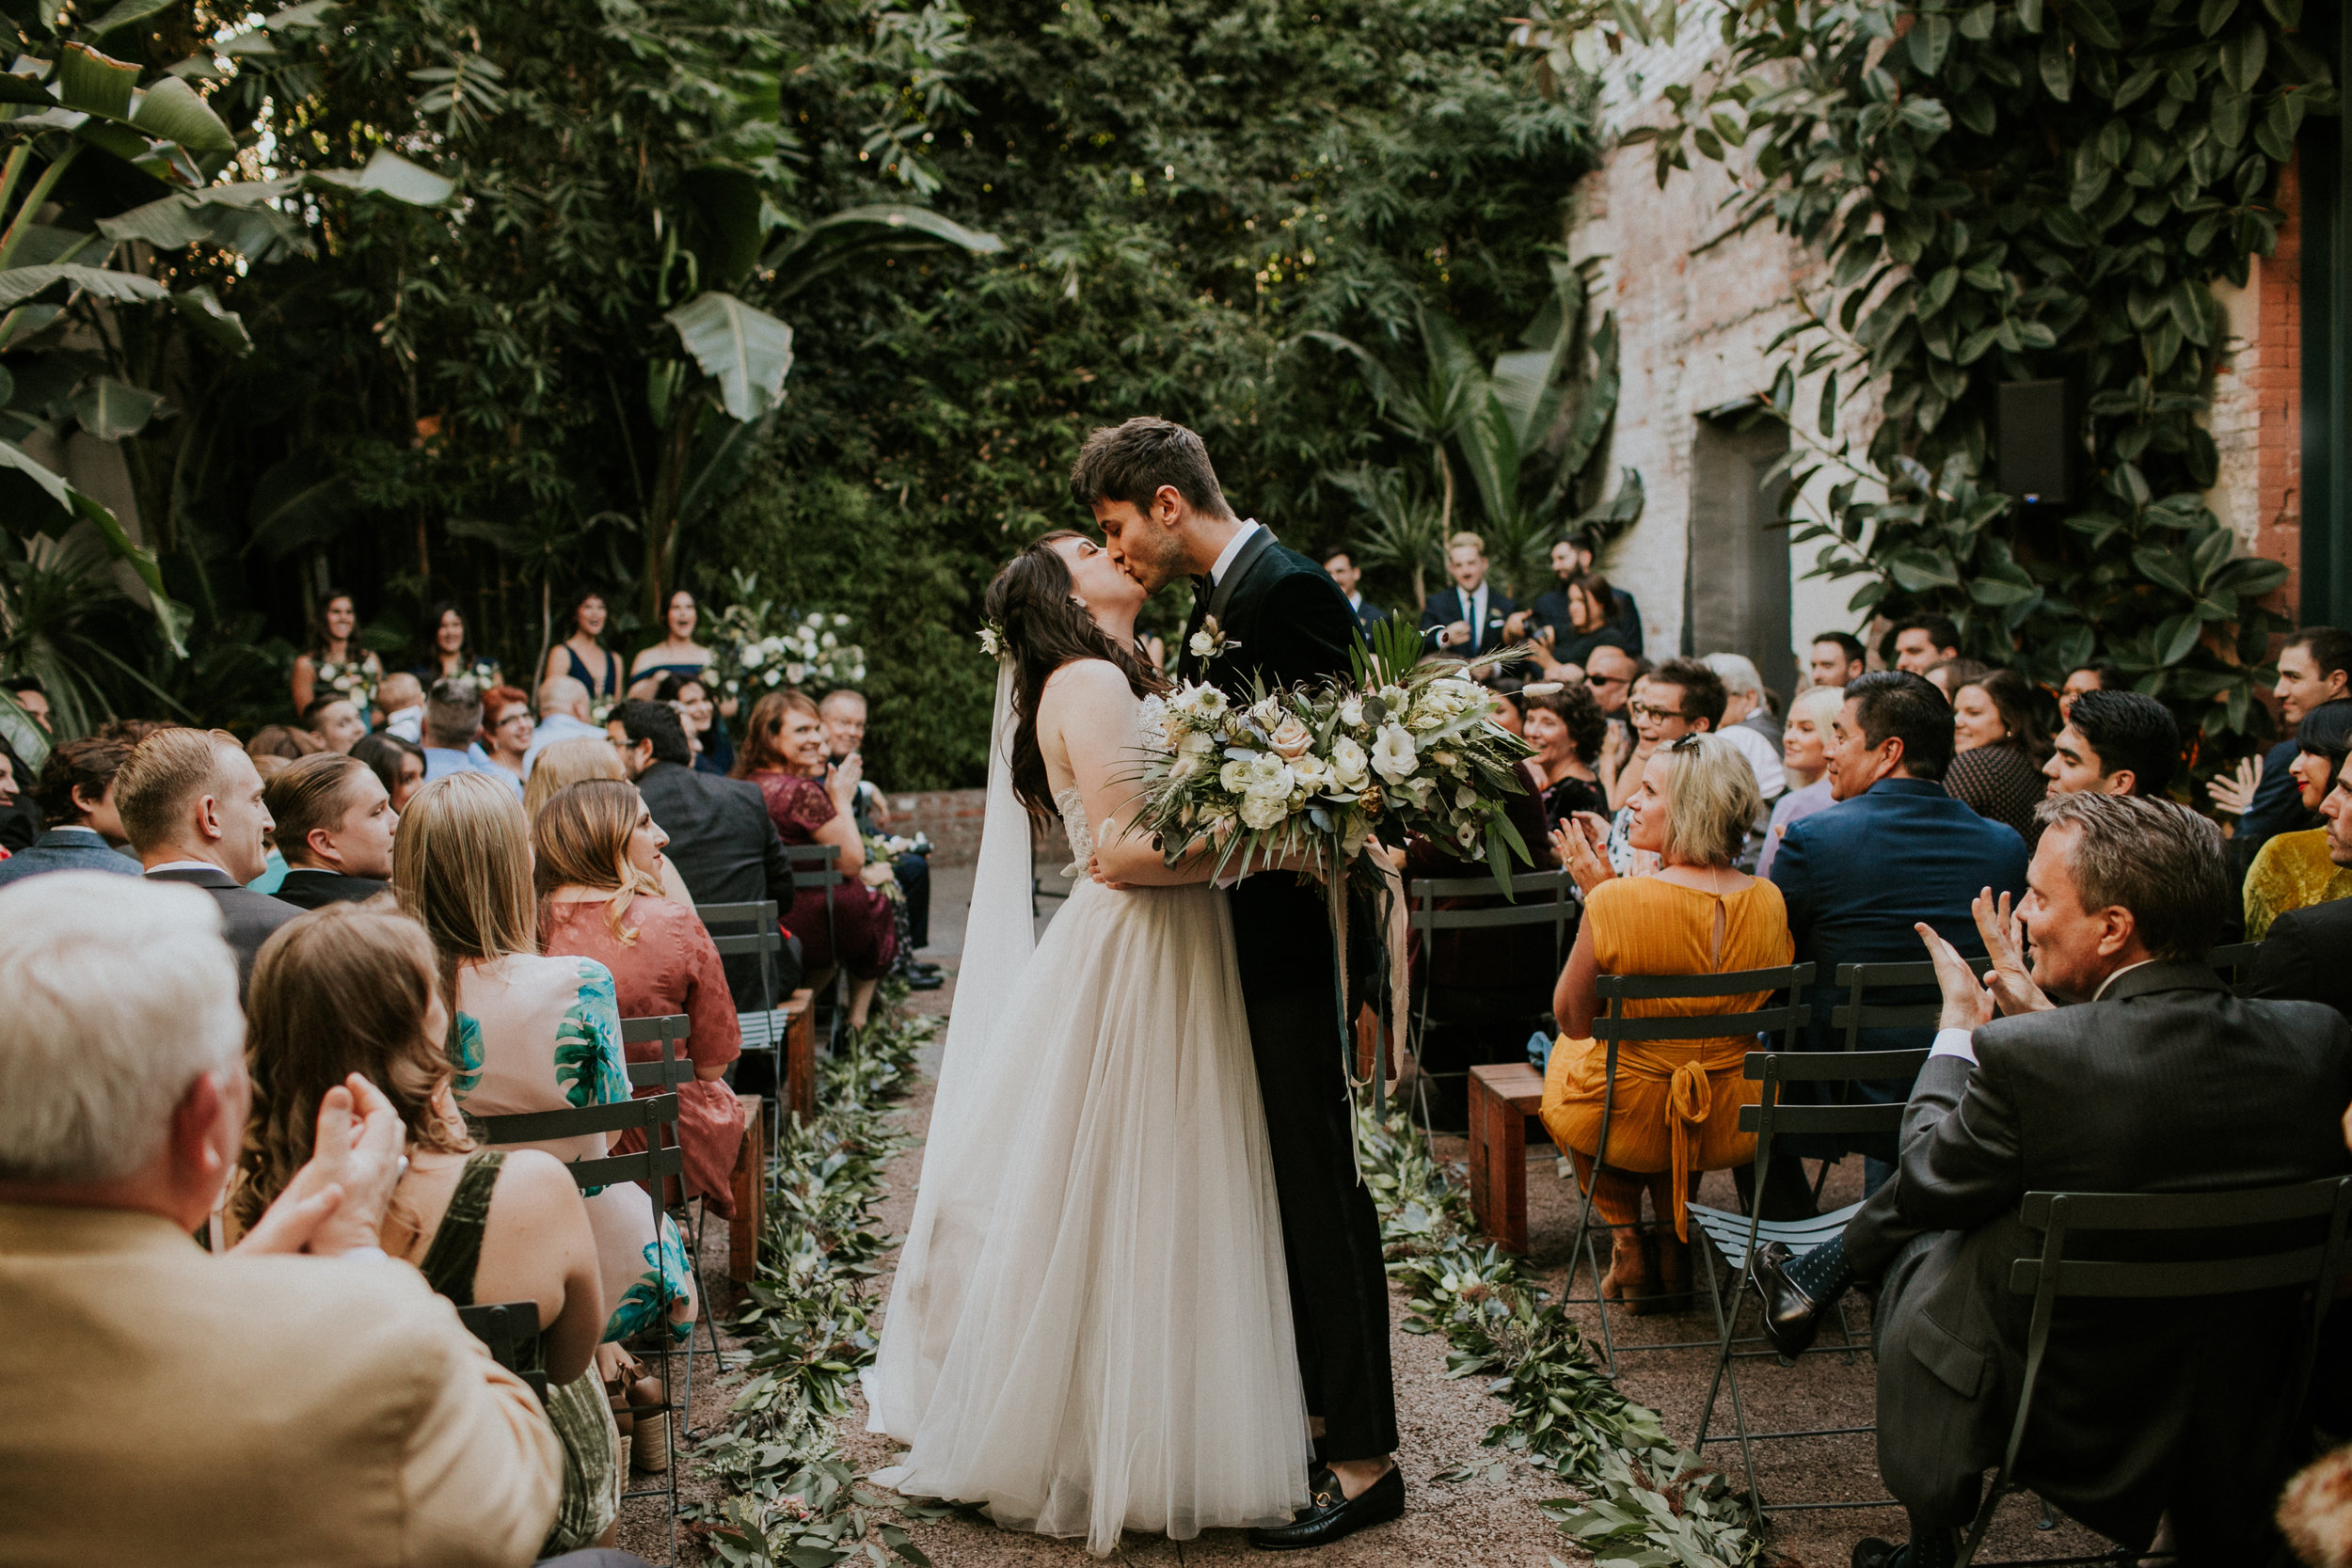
<point x="597" y="866"/>
<point x="783" y="752"/>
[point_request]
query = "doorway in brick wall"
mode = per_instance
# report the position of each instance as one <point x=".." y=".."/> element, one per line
<point x="1735" y="574"/>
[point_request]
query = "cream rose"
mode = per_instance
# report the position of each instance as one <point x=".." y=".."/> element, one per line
<point x="1291" y="738"/>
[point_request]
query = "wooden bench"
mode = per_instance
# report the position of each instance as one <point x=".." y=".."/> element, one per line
<point x="1502" y="1095"/>
<point x="751" y="1194"/>
<point x="797" y="1020"/>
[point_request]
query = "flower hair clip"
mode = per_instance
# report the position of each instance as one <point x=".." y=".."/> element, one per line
<point x="993" y="639"/>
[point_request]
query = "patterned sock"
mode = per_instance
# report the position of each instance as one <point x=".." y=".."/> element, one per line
<point x="1821" y="1273"/>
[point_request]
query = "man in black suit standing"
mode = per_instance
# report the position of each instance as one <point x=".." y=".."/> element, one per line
<point x="191" y="803"/>
<point x="335" y="827"/>
<point x="2302" y="959"/>
<point x="1343" y="571"/>
<point x="1469" y="618"/>
<point x="1260" y="611"/>
<point x="2158" y="1079"/>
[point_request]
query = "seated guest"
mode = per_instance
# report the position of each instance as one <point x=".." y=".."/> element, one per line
<point x="1567" y="729"/>
<point x="721" y="839"/>
<point x="335" y="826"/>
<point x="783" y="755"/>
<point x="2115" y="743"/>
<point x="1578" y="616"/>
<point x="398" y="765"/>
<point x="844" y="713"/>
<point x="1949" y="676"/>
<point x="1835" y="658"/>
<point x="532" y="1033"/>
<point x="191" y="806"/>
<point x="571" y="762"/>
<point x="2098" y="675"/>
<point x="2156" y="1079"/>
<point x="280" y="741"/>
<point x="713" y="752"/>
<point x="1919" y="643"/>
<point x="1894" y="850"/>
<point x="2302" y="959"/>
<point x="81" y="827"/>
<point x="1748" y="721"/>
<point x="564" y="714"/>
<point x="402" y="698"/>
<point x="453" y="735"/>
<point x="336" y="722"/>
<point x="354" y="991"/>
<point x="1805" y="759"/>
<point x="506" y="730"/>
<point x="262" y="1408"/>
<point x="1997" y="750"/>
<point x="1677" y="1103"/>
<point x="595" y="862"/>
<point x="1624" y="616"/>
<point x="2294" y="870"/>
<point x="2315" y="669"/>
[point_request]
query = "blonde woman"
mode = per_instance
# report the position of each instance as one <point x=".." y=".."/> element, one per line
<point x="571" y="762"/>
<point x="530" y="1032"/>
<point x="1677" y="1102"/>
<point x="352" y="988"/>
<point x="595" y="854"/>
<point x="1804" y="756"/>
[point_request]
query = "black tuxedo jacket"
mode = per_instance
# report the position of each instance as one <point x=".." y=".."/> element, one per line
<point x="2168" y="1083"/>
<point x="307" y="888"/>
<point x="1288" y="624"/>
<point x="2302" y="959"/>
<point x="1450" y="604"/>
<point x="724" y="847"/>
<point x="247" y="917"/>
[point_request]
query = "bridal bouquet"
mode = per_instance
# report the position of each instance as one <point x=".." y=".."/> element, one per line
<point x="1405" y="747"/>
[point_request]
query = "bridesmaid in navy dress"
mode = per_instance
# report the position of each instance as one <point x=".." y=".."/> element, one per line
<point x="583" y="656"/>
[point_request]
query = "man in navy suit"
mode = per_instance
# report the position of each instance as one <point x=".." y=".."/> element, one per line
<point x="1894" y="850"/>
<point x="83" y="831"/>
<point x="1466" y="619"/>
<point x="1343" y="571"/>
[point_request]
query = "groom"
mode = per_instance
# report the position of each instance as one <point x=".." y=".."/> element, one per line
<point x="1280" y="619"/>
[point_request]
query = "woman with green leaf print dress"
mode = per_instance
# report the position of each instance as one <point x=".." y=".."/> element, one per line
<point x="530" y="1032"/>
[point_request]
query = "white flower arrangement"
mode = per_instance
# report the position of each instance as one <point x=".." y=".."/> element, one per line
<point x="355" y="678"/>
<point x="750" y="655"/>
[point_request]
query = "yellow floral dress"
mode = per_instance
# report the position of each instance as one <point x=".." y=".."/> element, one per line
<point x="2291" y="872"/>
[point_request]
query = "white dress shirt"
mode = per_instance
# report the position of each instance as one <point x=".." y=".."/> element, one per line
<point x="1232" y="548"/>
<point x="1957" y="1042"/>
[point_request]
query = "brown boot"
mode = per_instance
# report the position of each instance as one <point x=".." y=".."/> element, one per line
<point x="1631" y="1280"/>
<point x="1674" y="1270"/>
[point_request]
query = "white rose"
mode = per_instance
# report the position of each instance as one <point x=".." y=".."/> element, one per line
<point x="1203" y="646"/>
<point x="841" y="620"/>
<point x="343" y="683"/>
<point x="752" y="655"/>
<point x="795" y="673"/>
<point x="774" y="678"/>
<point x="1265" y="811"/>
<point x="1352" y="712"/>
<point x="1393" y="755"/>
<point x="1394" y="696"/>
<point x="1312" y="774"/>
<point x="1232" y="776"/>
<point x="1267" y="713"/>
<point x="829" y="640"/>
<point x="1291" y="738"/>
<point x="1197" y="744"/>
<point x="1349" y="762"/>
<point x="1267" y="776"/>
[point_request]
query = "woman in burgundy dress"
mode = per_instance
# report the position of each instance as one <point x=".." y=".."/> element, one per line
<point x="597" y="859"/>
<point x="810" y="802"/>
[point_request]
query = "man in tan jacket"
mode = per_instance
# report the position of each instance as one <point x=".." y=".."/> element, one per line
<point x="302" y="1399"/>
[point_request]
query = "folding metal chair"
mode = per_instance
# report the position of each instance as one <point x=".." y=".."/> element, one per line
<point x="666" y="1075"/>
<point x="504" y="1328"/>
<point x="2053" y="1276"/>
<point x="1537" y="898"/>
<point x="820" y="865"/>
<point x="1613" y="1029"/>
<point x="1736" y="1237"/>
<point x="2234" y="963"/>
<point x="751" y="928"/>
<point x="653" y="1165"/>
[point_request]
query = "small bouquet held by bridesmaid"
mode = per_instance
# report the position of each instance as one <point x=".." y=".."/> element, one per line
<point x="1405" y="747"/>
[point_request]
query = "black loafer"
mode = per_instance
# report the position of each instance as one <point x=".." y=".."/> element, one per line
<point x="1791" y="1317"/>
<point x="1331" y="1513"/>
<point x="926" y="982"/>
<point x="1870" y="1552"/>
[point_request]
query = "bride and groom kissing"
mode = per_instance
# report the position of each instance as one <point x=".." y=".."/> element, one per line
<point x="1143" y="1288"/>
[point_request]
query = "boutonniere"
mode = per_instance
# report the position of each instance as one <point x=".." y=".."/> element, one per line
<point x="1210" y="641"/>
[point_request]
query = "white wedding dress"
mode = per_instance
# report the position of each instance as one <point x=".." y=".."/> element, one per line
<point x="1089" y="1330"/>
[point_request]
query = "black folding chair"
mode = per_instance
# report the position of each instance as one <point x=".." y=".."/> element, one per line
<point x="751" y="929"/>
<point x="820" y="865"/>
<point x="2234" y="962"/>
<point x="1537" y="898"/>
<point x="671" y="1071"/>
<point x="1613" y="1029"/>
<point x="653" y="1165"/>
<point x="505" y="1327"/>
<point x="1736" y="1238"/>
<point x="2054" y="1276"/>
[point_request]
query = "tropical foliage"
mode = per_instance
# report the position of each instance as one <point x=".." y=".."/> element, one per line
<point x="2007" y="191"/>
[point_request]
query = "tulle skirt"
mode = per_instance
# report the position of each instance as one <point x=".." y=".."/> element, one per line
<point x="1090" y="1326"/>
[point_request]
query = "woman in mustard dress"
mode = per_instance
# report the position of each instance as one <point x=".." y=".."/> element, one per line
<point x="2292" y="871"/>
<point x="1676" y="1110"/>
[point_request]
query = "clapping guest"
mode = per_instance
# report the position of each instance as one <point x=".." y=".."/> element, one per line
<point x="1997" y="750"/>
<point x="336" y="723"/>
<point x="450" y="654"/>
<point x="506" y="730"/>
<point x="783" y="754"/>
<point x="2315" y="669"/>
<point x="714" y="752"/>
<point x="1676" y="1103"/>
<point x="843" y="710"/>
<point x="336" y="661"/>
<point x="1567" y="729"/>
<point x="1466" y="619"/>
<point x="2295" y="870"/>
<point x="597" y="866"/>
<point x="2302" y="955"/>
<point x="191" y="805"/>
<point x="299" y="1401"/>
<point x="351" y="991"/>
<point x="83" y="829"/>
<point x="529" y="1033"/>
<point x="335" y="826"/>
<point x="397" y="764"/>
<point x="1805" y="759"/>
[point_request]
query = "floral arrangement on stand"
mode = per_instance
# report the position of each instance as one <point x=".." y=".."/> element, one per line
<point x="756" y="648"/>
<point x="355" y="678"/>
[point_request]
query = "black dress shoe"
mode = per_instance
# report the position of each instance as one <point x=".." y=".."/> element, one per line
<point x="1870" y="1552"/>
<point x="1331" y="1513"/>
<point x="1791" y="1317"/>
<point x="926" y="982"/>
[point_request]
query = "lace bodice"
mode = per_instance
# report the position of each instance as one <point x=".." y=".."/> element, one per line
<point x="1150" y="716"/>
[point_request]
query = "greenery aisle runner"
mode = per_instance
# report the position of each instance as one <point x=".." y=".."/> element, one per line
<point x="790" y="1499"/>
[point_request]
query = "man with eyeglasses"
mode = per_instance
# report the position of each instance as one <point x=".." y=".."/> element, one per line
<point x="1680" y="697"/>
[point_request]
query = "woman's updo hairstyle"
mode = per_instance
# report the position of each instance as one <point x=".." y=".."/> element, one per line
<point x="1036" y="611"/>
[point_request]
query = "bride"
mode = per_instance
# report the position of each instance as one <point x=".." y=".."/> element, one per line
<point x="1091" y="1327"/>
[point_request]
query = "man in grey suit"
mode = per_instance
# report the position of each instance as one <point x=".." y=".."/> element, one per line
<point x="2158" y="1079"/>
<point x="191" y="803"/>
<point x="82" y="828"/>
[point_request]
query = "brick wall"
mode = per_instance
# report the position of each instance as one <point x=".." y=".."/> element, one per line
<point x="953" y="818"/>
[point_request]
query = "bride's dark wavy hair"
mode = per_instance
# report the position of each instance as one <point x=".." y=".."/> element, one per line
<point x="1044" y="627"/>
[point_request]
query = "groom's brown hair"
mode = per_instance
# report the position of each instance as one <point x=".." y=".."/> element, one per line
<point x="1130" y="462"/>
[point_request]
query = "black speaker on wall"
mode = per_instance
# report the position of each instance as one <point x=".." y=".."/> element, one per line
<point x="2041" y="441"/>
